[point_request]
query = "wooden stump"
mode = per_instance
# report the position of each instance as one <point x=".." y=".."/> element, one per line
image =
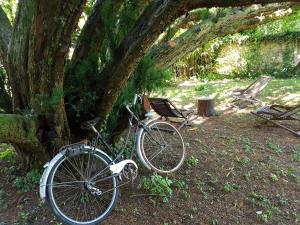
<point x="206" y="106"/>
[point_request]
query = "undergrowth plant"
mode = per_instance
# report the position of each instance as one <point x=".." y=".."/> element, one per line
<point x="163" y="186"/>
<point x="28" y="182"/>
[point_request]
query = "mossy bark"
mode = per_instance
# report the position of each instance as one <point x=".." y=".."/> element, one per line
<point x="20" y="131"/>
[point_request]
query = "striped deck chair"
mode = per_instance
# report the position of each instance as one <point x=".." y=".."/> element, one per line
<point x="166" y="109"/>
<point x="277" y="113"/>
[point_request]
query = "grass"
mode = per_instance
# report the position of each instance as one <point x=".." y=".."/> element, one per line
<point x="6" y="153"/>
<point x="280" y="91"/>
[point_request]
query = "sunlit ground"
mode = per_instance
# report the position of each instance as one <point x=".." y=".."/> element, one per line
<point x="185" y="95"/>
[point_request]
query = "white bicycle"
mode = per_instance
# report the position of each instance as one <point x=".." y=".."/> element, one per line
<point x="81" y="183"/>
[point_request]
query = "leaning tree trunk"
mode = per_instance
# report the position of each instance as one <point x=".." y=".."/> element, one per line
<point x="38" y="48"/>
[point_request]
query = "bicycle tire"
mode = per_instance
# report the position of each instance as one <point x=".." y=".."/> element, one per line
<point x="168" y="141"/>
<point x="57" y="209"/>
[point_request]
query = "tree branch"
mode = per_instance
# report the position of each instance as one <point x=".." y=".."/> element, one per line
<point x="93" y="33"/>
<point x="5" y="36"/>
<point x="167" y="54"/>
<point x="156" y="18"/>
<point x="193" y="4"/>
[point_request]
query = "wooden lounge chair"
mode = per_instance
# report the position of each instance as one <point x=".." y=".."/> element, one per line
<point x="277" y="113"/>
<point x="243" y="97"/>
<point x="166" y="109"/>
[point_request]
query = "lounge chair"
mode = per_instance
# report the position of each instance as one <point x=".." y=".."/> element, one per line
<point x="277" y="113"/>
<point x="243" y="97"/>
<point x="166" y="109"/>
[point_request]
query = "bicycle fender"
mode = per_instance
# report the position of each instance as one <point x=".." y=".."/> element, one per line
<point x="49" y="165"/>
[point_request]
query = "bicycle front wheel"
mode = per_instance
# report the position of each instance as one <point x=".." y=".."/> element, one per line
<point x="162" y="147"/>
<point x="81" y="189"/>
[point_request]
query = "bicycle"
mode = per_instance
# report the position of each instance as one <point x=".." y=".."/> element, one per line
<point x="82" y="182"/>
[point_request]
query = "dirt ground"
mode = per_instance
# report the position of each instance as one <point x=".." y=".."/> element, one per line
<point x="248" y="172"/>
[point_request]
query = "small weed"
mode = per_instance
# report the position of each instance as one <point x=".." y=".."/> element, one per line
<point x="3" y="199"/>
<point x="274" y="177"/>
<point x="24" y="216"/>
<point x="280" y="172"/>
<point x="248" y="148"/>
<point x="282" y="200"/>
<point x="274" y="147"/>
<point x="192" y="161"/>
<point x="201" y="188"/>
<point x="179" y="184"/>
<point x="158" y="185"/>
<point x="213" y="179"/>
<point x="228" y="187"/>
<point x="185" y="194"/>
<point x="246" y="141"/>
<point x="244" y="160"/>
<point x="200" y="87"/>
<point x="296" y="153"/>
<point x="232" y="141"/>
<point x="247" y="175"/>
<point x="7" y="153"/>
<point x="136" y="211"/>
<point x="268" y="210"/>
<point x="291" y="172"/>
<point x="27" y="182"/>
<point x="214" y="222"/>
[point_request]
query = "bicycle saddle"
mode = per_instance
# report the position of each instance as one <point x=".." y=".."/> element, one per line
<point x="89" y="124"/>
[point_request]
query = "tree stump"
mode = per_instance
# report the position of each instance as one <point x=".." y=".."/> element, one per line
<point x="206" y="106"/>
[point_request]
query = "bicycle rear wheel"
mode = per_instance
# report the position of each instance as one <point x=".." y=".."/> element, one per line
<point x="162" y="147"/>
<point x="73" y="199"/>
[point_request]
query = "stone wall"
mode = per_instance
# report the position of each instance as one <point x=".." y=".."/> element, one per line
<point x="259" y="57"/>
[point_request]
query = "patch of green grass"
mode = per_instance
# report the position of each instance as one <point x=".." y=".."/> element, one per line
<point x="7" y="153"/>
<point x="24" y="217"/>
<point x="213" y="179"/>
<point x="296" y="153"/>
<point x="214" y="221"/>
<point x="274" y="147"/>
<point x="267" y="209"/>
<point x="242" y="160"/>
<point x="282" y="200"/>
<point x="247" y="175"/>
<point x="230" y="187"/>
<point x="274" y="177"/>
<point x="28" y="182"/>
<point x="280" y="91"/>
<point x="192" y="161"/>
<point x="201" y="188"/>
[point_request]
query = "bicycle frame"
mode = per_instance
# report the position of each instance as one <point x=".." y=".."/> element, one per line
<point x="141" y="125"/>
<point x="135" y="145"/>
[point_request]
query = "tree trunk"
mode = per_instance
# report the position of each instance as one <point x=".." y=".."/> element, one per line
<point x="38" y="48"/>
<point x="206" y="106"/>
<point x="21" y="132"/>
